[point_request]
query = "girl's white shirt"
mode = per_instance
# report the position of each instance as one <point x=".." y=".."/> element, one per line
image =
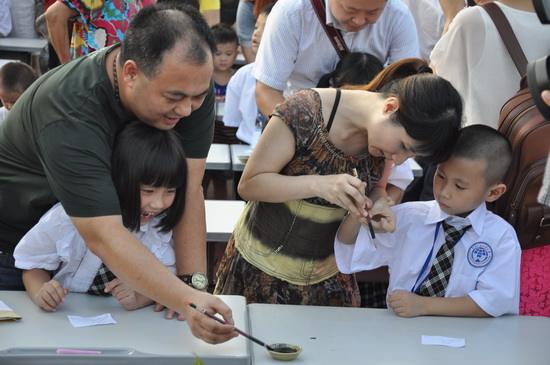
<point x="54" y="244"/>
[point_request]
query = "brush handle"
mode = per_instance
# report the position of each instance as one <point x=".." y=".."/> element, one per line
<point x="371" y="228"/>
<point x="240" y="332"/>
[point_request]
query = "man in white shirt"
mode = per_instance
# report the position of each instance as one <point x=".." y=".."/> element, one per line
<point x="295" y="50"/>
<point x="430" y="21"/>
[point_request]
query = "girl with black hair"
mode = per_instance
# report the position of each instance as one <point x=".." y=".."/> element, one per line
<point x="149" y="173"/>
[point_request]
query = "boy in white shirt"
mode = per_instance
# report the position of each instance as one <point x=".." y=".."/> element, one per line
<point x="451" y="256"/>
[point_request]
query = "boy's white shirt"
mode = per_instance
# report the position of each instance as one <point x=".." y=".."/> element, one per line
<point x="240" y="103"/>
<point x="494" y="287"/>
<point x="55" y="244"/>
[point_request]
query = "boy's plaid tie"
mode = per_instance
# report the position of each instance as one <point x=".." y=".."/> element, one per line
<point x="438" y="277"/>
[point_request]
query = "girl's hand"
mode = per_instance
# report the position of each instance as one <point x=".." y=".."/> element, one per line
<point x="346" y="191"/>
<point x="128" y="298"/>
<point x="382" y="217"/>
<point x="50" y="295"/>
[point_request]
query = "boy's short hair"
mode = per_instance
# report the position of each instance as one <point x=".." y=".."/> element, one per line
<point x="16" y="76"/>
<point x="480" y="142"/>
<point x="224" y="33"/>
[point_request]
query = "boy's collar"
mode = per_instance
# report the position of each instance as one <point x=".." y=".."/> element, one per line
<point x="475" y="218"/>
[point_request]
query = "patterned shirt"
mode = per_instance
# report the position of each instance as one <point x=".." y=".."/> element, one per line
<point x="100" y="23"/>
<point x="293" y="241"/>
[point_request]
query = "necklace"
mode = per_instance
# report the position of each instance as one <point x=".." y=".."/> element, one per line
<point x="115" y="80"/>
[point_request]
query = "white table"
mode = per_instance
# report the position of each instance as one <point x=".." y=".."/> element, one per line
<point x="221" y="218"/>
<point x="139" y="337"/>
<point x="27" y="45"/>
<point x="218" y="157"/>
<point x="416" y="169"/>
<point x="245" y="150"/>
<point x="239" y="150"/>
<point x="376" y="336"/>
<point x="3" y="61"/>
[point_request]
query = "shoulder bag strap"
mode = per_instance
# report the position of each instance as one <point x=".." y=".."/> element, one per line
<point x="333" y="34"/>
<point x="508" y="37"/>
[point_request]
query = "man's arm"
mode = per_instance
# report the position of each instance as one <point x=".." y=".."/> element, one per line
<point x="190" y="232"/>
<point x="57" y="20"/>
<point x="267" y="98"/>
<point x="135" y="265"/>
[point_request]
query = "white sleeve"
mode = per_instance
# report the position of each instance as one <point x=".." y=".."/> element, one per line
<point x="232" y="116"/>
<point x="459" y="50"/>
<point x="38" y="249"/>
<point x="401" y="175"/>
<point x="404" y="38"/>
<point x="497" y="290"/>
<point x="365" y="253"/>
<point x="279" y="46"/>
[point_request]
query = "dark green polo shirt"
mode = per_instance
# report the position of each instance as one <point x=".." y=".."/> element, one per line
<point x="56" y="142"/>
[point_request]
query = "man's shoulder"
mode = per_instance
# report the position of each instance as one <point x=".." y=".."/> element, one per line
<point x="396" y="7"/>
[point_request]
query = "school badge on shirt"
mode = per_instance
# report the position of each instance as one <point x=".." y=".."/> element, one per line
<point x="480" y="254"/>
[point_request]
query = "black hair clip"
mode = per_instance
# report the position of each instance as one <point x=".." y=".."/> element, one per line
<point x="425" y="69"/>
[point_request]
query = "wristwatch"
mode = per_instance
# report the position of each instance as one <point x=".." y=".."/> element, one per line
<point x="197" y="280"/>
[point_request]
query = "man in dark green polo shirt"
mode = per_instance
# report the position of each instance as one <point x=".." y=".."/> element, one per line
<point x="56" y="145"/>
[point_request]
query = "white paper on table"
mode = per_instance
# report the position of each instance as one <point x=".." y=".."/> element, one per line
<point x="5" y="307"/>
<point x="78" y="321"/>
<point x="443" y="341"/>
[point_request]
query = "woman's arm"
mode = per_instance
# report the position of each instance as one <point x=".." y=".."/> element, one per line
<point x="57" y="20"/>
<point x="262" y="181"/>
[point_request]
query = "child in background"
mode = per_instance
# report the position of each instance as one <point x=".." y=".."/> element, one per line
<point x="149" y="173"/>
<point x="451" y="256"/>
<point x="355" y="68"/>
<point x="226" y="52"/>
<point x="240" y="104"/>
<point x="15" y="77"/>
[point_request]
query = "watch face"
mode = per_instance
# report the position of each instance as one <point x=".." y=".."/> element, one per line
<point x="199" y="281"/>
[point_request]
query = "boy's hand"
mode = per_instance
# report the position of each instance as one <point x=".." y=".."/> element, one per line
<point x="50" y="295"/>
<point x="406" y="304"/>
<point x="382" y="217"/>
<point x="128" y="298"/>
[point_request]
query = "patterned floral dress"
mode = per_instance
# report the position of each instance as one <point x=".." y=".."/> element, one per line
<point x="100" y="23"/>
<point x="284" y="252"/>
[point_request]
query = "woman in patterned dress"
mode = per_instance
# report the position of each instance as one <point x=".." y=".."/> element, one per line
<point x="299" y="181"/>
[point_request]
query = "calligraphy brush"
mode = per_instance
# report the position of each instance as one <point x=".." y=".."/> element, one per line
<point x="242" y="333"/>
<point x="371" y="228"/>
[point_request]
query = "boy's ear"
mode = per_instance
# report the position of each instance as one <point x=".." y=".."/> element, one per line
<point x="495" y="192"/>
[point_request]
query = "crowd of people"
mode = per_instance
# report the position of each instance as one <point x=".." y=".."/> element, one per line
<point x="103" y="158"/>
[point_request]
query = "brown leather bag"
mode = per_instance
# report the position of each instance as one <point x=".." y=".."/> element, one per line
<point x="529" y="133"/>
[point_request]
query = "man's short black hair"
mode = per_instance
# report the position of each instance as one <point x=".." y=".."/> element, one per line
<point x="150" y="156"/>
<point x="16" y="77"/>
<point x="480" y="142"/>
<point x="157" y="28"/>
